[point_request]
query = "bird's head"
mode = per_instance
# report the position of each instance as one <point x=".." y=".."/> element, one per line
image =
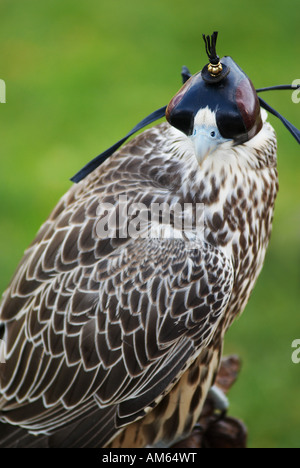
<point x="217" y="106"/>
<point x="205" y="136"/>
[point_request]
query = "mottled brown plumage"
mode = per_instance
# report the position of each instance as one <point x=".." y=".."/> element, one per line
<point x="115" y="342"/>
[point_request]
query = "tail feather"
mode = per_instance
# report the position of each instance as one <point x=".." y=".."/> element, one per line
<point x="16" y="437"/>
<point x="93" y="431"/>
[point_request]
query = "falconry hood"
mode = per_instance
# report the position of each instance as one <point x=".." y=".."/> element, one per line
<point x="221" y="86"/>
<point x="226" y="90"/>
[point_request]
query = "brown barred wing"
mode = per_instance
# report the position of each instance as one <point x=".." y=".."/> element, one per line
<point x="116" y="335"/>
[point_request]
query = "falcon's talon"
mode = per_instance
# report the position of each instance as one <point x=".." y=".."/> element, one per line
<point x="219" y="415"/>
<point x="198" y="427"/>
<point x="220" y="400"/>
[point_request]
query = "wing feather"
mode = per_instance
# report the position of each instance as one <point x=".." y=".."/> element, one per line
<point x="105" y="322"/>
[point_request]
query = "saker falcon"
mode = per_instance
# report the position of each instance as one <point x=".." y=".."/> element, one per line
<point x="114" y="341"/>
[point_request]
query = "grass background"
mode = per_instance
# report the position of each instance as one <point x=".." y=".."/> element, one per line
<point x="80" y="74"/>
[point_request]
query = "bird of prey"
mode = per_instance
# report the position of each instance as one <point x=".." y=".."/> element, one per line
<point x="115" y="340"/>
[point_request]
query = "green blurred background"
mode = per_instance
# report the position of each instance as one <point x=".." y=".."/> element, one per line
<point x="80" y="74"/>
